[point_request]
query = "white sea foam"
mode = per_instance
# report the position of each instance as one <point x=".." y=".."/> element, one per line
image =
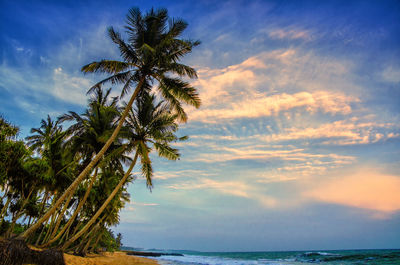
<point x="206" y="260"/>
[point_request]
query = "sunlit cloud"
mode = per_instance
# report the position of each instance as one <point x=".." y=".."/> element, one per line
<point x="223" y="154"/>
<point x="366" y="189"/>
<point x="236" y="188"/>
<point x="165" y="175"/>
<point x="69" y="88"/>
<point x="133" y="205"/>
<point x="343" y="132"/>
<point x="273" y="82"/>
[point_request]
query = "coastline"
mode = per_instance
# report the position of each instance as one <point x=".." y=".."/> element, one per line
<point x="108" y="258"/>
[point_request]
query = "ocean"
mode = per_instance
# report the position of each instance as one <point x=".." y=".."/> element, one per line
<point x="342" y="257"/>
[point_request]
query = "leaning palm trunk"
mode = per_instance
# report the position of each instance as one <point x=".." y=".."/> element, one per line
<point x="105" y="204"/>
<point x="91" y="237"/>
<point x="4" y="210"/>
<point x="96" y="242"/>
<point x="60" y="217"/>
<point x="78" y="208"/>
<point x="48" y="232"/>
<point x="18" y="214"/>
<point x="89" y="167"/>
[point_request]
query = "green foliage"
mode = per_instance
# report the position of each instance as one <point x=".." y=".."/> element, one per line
<point x="36" y="172"/>
<point x="118" y="241"/>
<point x="109" y="241"/>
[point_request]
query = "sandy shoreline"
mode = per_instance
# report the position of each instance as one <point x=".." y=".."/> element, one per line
<point x="107" y="258"/>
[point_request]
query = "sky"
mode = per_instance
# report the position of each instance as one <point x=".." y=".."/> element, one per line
<point x="295" y="146"/>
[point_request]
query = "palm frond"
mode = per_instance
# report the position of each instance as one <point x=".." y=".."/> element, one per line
<point x="107" y="66"/>
<point x="114" y="79"/>
<point x="166" y="151"/>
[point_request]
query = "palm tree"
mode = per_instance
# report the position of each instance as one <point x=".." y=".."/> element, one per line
<point x="151" y="55"/>
<point x="48" y="140"/>
<point x="89" y="133"/>
<point x="150" y="126"/>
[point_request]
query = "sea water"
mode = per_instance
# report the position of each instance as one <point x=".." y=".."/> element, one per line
<point x="342" y="257"/>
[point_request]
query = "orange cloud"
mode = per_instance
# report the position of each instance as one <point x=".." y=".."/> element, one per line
<point x="253" y="88"/>
<point x="261" y="105"/>
<point x="366" y="189"/>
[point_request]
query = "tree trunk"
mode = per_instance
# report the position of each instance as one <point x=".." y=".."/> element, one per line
<point x="89" y="167"/>
<point x="29" y="221"/>
<point x="60" y="217"/>
<point x="53" y="218"/>
<point x="78" y="208"/>
<point x="84" y="251"/>
<point x="4" y="210"/>
<point x="99" y="236"/>
<point x="18" y="214"/>
<point x="40" y="235"/>
<point x="99" y="211"/>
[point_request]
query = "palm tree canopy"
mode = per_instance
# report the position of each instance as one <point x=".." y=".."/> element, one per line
<point x="149" y="126"/>
<point x="90" y="131"/>
<point x="152" y="53"/>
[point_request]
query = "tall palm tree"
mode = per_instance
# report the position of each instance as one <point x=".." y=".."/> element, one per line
<point x="151" y="55"/>
<point x="149" y="126"/>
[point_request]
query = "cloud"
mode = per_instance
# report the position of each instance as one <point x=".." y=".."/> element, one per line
<point x="291" y="34"/>
<point x="261" y="105"/>
<point x="273" y="82"/>
<point x="38" y="73"/>
<point x="164" y="175"/>
<point x="233" y="188"/>
<point x="132" y="206"/>
<point x="391" y="75"/>
<point x="366" y="189"/>
<point x="69" y="88"/>
<point x="343" y="132"/>
<point x="223" y="154"/>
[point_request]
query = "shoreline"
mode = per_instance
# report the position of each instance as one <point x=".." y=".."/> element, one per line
<point x="108" y="258"/>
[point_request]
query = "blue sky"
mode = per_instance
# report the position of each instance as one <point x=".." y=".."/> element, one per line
<point x="296" y="145"/>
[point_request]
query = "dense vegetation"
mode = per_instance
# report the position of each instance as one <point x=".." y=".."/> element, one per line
<point x="65" y="184"/>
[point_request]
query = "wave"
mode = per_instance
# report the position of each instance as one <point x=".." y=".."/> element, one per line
<point x="207" y="260"/>
<point x="284" y="258"/>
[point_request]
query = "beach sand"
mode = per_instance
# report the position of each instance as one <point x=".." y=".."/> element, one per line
<point x="107" y="258"/>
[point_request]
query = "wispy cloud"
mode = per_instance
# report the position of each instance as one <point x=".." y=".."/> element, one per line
<point x="273" y="82"/>
<point x="343" y="132"/>
<point x="58" y="73"/>
<point x="132" y="206"/>
<point x="235" y="188"/>
<point x="165" y="175"/>
<point x="391" y="75"/>
<point x="69" y="88"/>
<point x="289" y="33"/>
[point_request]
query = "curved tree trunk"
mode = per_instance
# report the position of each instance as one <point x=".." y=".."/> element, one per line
<point x="78" y="208"/>
<point x="55" y="196"/>
<point x="18" y="214"/>
<point x="89" y="167"/>
<point x="99" y="236"/>
<point x="60" y="217"/>
<point x="4" y="210"/>
<point x="99" y="211"/>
